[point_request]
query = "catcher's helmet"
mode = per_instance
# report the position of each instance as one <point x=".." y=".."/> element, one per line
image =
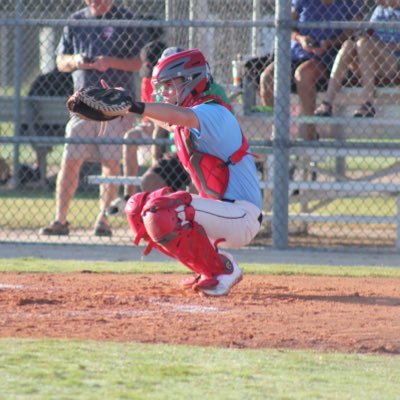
<point x="190" y="65"/>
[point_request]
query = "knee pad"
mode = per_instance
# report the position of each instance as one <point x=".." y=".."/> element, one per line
<point x="133" y="211"/>
<point x="160" y="215"/>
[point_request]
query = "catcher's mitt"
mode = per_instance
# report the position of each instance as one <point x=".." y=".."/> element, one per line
<point x="100" y="104"/>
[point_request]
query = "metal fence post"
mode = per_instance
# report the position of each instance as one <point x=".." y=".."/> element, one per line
<point x="282" y="125"/>
<point x="17" y="89"/>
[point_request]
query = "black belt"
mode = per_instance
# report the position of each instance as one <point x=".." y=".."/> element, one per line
<point x="259" y="218"/>
<point x="227" y="200"/>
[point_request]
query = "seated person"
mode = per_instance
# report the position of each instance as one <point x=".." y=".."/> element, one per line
<point x="149" y="55"/>
<point x="312" y="52"/>
<point x="373" y="54"/>
<point x="50" y="84"/>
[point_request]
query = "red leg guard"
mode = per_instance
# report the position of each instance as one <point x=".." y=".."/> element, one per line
<point x="185" y="240"/>
<point x="133" y="211"/>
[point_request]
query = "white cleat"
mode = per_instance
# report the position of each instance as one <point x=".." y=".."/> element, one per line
<point x="226" y="281"/>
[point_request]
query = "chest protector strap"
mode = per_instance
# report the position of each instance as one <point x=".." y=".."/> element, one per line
<point x="209" y="173"/>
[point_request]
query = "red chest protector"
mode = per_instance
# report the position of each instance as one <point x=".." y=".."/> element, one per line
<point x="209" y="173"/>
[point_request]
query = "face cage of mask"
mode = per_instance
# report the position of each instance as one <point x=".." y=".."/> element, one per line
<point x="178" y="88"/>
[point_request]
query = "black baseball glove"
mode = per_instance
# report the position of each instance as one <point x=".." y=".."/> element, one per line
<point x="100" y="104"/>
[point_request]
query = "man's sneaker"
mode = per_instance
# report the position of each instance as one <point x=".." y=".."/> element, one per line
<point x="366" y="110"/>
<point x="226" y="281"/>
<point x="117" y="206"/>
<point x="102" y="229"/>
<point x="56" y="228"/>
<point x="323" y="110"/>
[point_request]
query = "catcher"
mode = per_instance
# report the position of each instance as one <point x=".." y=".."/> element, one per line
<point x="212" y="148"/>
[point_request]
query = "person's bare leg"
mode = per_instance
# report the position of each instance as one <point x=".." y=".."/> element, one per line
<point x="306" y="77"/>
<point x="130" y="166"/>
<point x="366" y="55"/>
<point x="130" y="154"/>
<point x="375" y="59"/>
<point x="108" y="192"/>
<point x="344" y="58"/>
<point x="267" y="86"/>
<point x="157" y="151"/>
<point x="152" y="181"/>
<point x="67" y="183"/>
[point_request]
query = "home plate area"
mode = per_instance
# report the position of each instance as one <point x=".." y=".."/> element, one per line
<point x="263" y="311"/>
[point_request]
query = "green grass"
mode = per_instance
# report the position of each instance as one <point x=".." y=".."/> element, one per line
<point x="31" y="209"/>
<point x="27" y="154"/>
<point x="85" y="370"/>
<point x="23" y="265"/>
<point x="57" y="369"/>
<point x="382" y="206"/>
<point x="360" y="164"/>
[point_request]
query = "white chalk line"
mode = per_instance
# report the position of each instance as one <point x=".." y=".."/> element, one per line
<point x="10" y="286"/>
<point x="164" y="307"/>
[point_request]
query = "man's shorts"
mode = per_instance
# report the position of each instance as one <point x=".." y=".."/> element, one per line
<point x="171" y="170"/>
<point x="80" y="128"/>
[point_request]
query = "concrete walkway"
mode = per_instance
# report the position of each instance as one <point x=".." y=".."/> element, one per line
<point x="246" y="255"/>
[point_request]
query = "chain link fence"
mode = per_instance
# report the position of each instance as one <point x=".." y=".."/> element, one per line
<point x="326" y="140"/>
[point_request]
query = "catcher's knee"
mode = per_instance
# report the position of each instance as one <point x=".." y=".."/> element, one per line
<point x="134" y="208"/>
<point x="164" y="216"/>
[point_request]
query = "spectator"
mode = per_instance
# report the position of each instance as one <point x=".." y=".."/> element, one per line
<point x="149" y="55"/>
<point x="211" y="146"/>
<point x="312" y="51"/>
<point x="374" y="54"/>
<point x="166" y="169"/>
<point x="53" y="83"/>
<point x="94" y="53"/>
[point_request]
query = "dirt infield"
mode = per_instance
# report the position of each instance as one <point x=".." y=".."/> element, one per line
<point x="322" y="313"/>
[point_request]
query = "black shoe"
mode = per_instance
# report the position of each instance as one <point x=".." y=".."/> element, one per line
<point x="102" y="229"/>
<point x="323" y="110"/>
<point x="56" y="228"/>
<point x="366" y="110"/>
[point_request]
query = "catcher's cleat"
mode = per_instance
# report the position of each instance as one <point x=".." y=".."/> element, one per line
<point x="227" y="280"/>
<point x="187" y="283"/>
<point x="56" y="228"/>
<point x="102" y="230"/>
<point x="199" y="282"/>
<point x="205" y="282"/>
<point x="117" y="206"/>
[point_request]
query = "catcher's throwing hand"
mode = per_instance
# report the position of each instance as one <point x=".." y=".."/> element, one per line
<point x="102" y="104"/>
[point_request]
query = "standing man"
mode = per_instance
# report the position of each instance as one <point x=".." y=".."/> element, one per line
<point x="212" y="148"/>
<point x="93" y="53"/>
